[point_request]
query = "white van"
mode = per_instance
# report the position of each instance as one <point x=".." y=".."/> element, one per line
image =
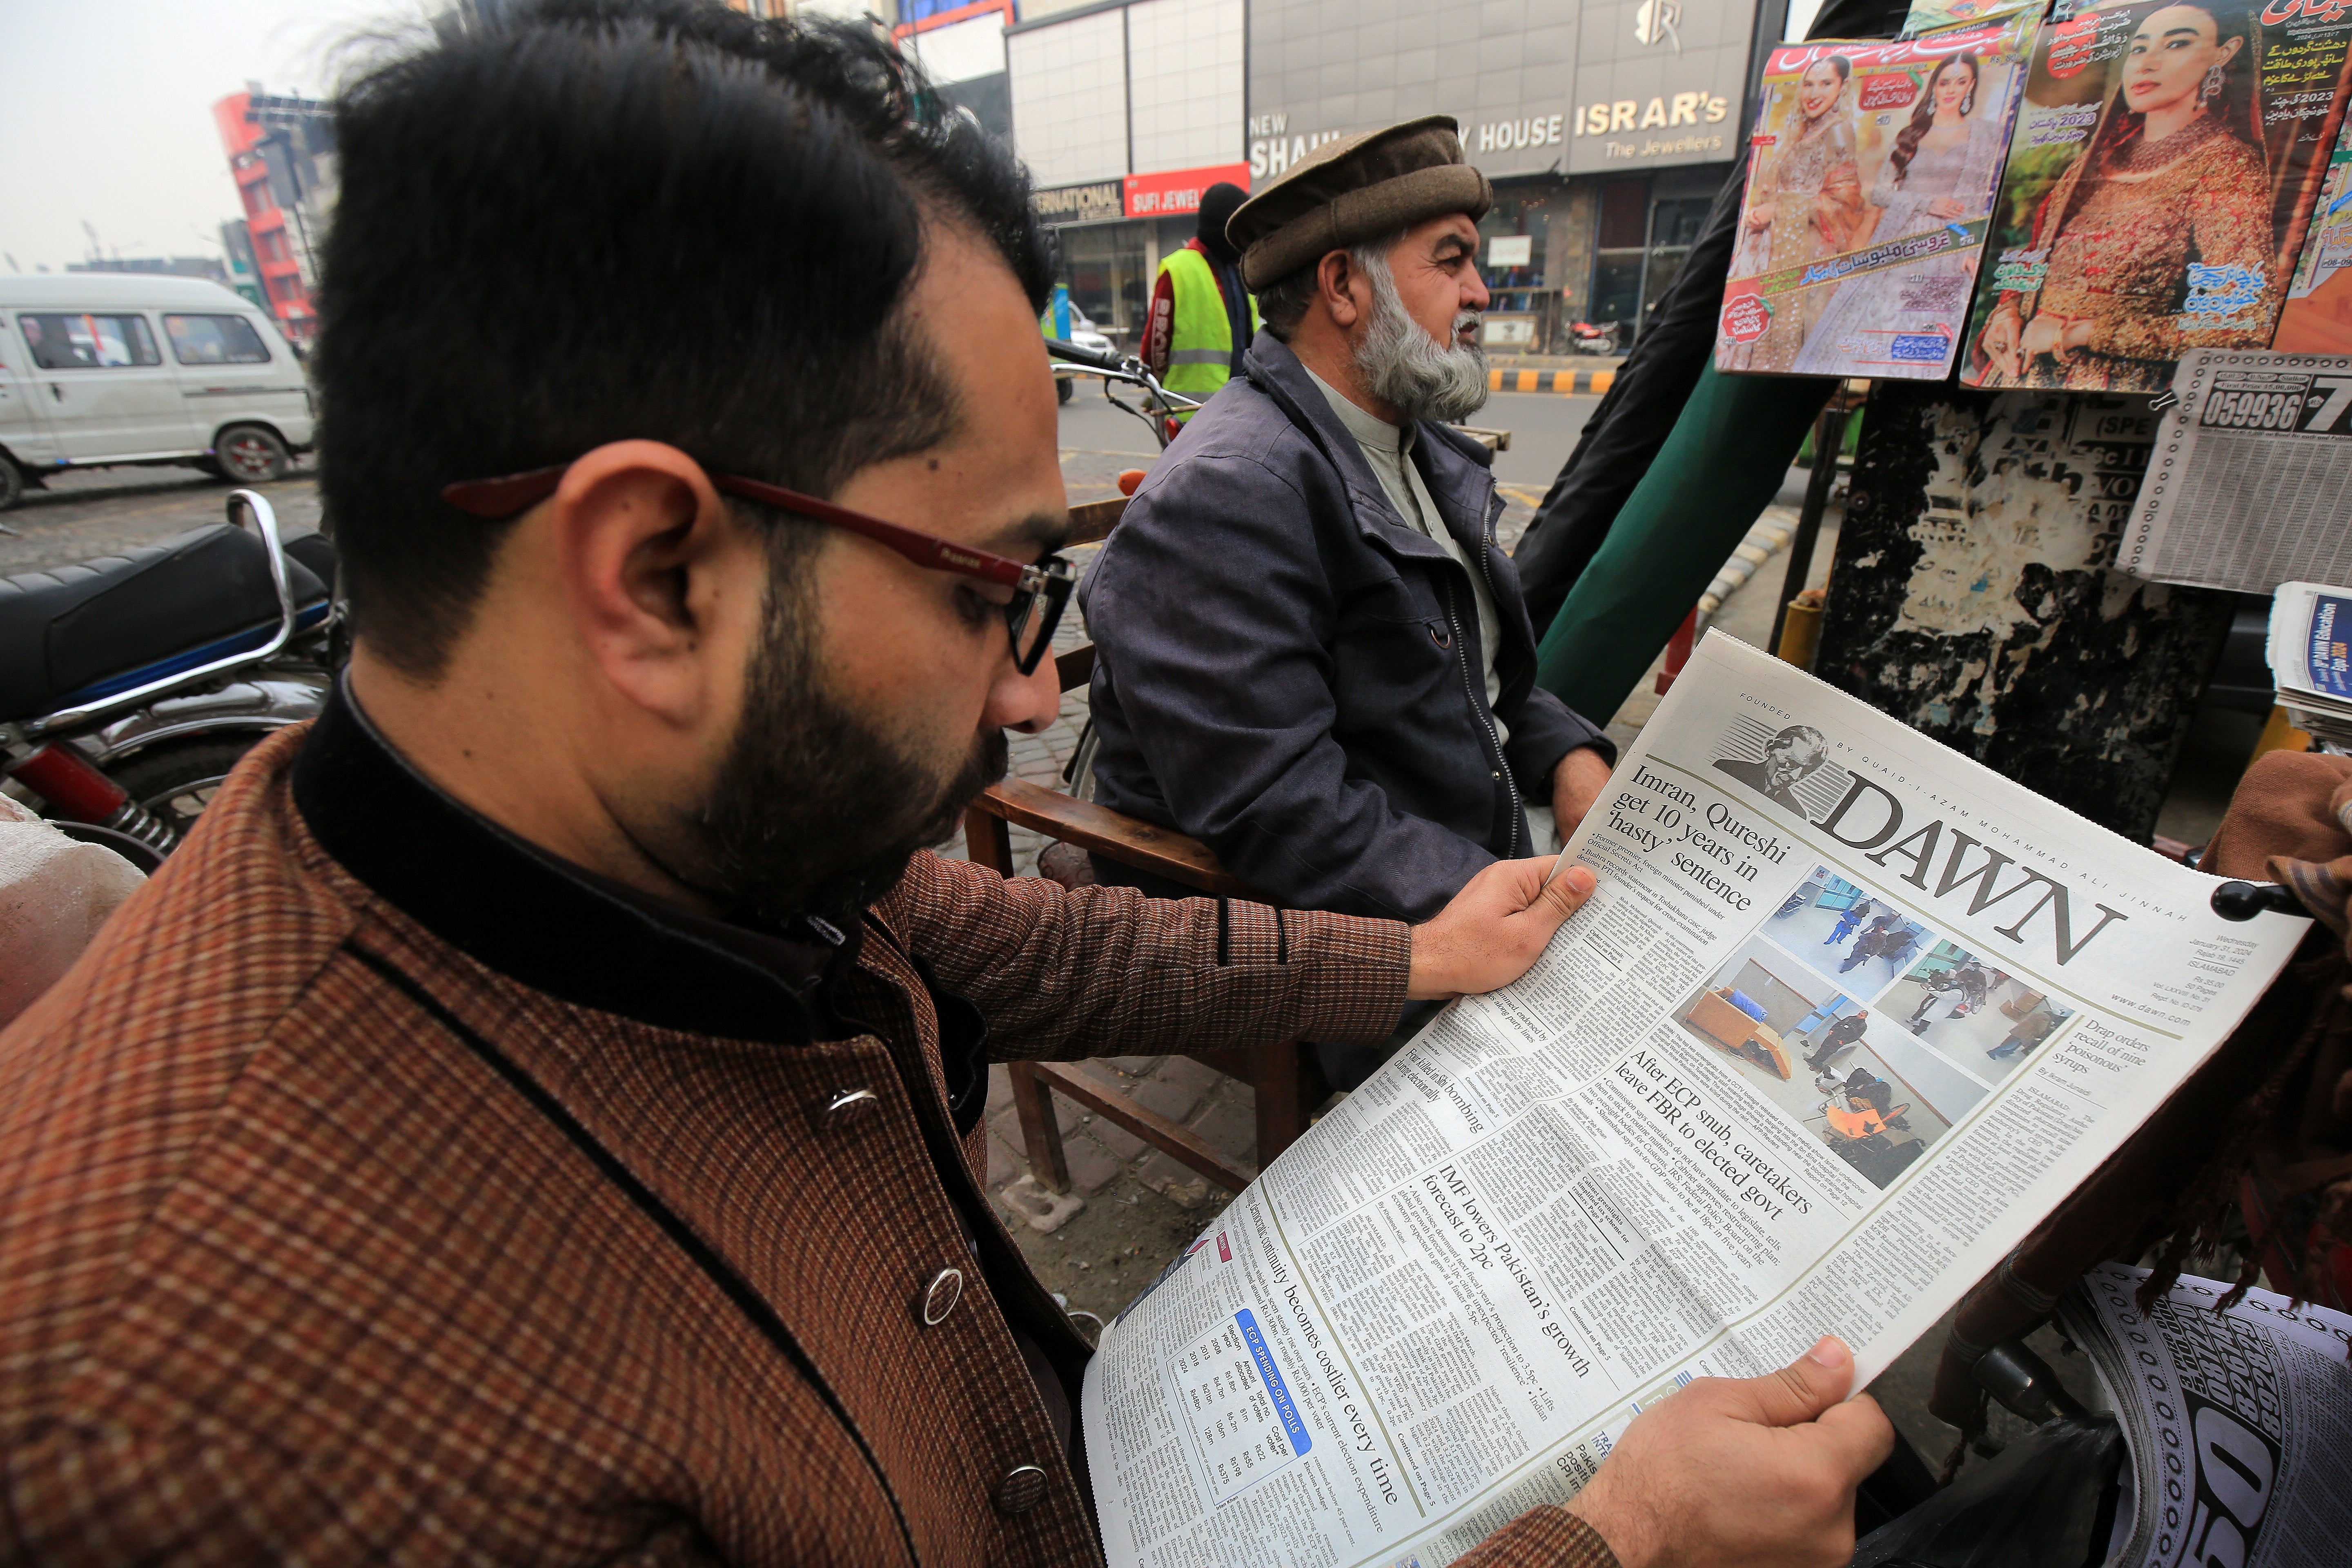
<point x="99" y="367"/>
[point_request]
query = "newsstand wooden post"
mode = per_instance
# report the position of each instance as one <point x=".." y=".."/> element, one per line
<point x="1971" y="596"/>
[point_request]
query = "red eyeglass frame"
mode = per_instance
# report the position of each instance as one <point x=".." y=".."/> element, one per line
<point x="1048" y="583"/>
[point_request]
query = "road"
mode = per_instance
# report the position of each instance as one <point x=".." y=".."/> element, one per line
<point x="97" y="512"/>
<point x="1098" y="441"/>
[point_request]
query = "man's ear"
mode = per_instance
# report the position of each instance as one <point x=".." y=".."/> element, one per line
<point x="655" y="579"/>
<point x="1341" y="283"/>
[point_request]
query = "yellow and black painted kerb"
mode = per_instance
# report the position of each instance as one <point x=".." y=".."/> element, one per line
<point x="1566" y="383"/>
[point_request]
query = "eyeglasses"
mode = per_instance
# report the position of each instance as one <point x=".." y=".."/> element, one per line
<point x="1040" y="592"/>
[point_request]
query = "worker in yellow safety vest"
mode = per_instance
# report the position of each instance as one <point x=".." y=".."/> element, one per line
<point x="1201" y="318"/>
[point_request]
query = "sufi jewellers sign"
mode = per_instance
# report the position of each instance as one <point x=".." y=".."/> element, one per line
<point x="1651" y="85"/>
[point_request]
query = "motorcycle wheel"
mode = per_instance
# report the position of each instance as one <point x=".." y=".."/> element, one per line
<point x="176" y="781"/>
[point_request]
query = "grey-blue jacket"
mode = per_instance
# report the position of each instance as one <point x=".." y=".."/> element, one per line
<point x="1290" y="671"/>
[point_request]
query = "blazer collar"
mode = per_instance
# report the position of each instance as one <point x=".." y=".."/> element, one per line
<point x="552" y="926"/>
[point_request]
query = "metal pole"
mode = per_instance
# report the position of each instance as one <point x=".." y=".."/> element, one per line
<point x="1829" y="439"/>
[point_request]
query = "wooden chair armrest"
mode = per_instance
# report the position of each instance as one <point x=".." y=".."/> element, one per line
<point x="1123" y="838"/>
<point x="1093" y="521"/>
<point x="1177" y="1143"/>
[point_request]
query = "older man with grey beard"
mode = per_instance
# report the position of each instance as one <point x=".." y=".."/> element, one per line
<point x="1311" y="653"/>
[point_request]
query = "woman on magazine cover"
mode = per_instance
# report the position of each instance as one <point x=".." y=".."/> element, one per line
<point x="2176" y="174"/>
<point x="1811" y="208"/>
<point x="1940" y="171"/>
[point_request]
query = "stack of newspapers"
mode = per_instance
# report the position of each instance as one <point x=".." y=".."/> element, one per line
<point x="2311" y="659"/>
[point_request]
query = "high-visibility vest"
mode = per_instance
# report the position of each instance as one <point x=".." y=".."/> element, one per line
<point x="1200" y="349"/>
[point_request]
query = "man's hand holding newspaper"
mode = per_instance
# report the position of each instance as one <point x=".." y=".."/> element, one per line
<point x="1797" y="1445"/>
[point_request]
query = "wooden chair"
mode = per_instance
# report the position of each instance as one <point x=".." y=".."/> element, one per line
<point x="1285" y="1079"/>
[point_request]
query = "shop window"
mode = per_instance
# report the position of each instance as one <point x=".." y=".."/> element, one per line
<point x="1617" y="264"/>
<point x="1673" y="228"/>
<point x="1110" y="272"/>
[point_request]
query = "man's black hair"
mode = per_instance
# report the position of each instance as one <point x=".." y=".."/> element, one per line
<point x="584" y="221"/>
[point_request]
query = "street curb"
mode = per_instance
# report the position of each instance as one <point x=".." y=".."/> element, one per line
<point x="1566" y="383"/>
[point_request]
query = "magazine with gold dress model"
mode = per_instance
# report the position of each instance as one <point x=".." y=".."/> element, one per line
<point x="1871" y="183"/>
<point x="2161" y="177"/>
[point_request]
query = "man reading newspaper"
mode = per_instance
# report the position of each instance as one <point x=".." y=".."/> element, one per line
<point x="528" y="1120"/>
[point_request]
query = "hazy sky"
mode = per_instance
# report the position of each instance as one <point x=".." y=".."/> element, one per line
<point x="106" y="113"/>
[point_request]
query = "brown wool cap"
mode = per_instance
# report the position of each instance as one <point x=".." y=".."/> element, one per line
<point x="1354" y="189"/>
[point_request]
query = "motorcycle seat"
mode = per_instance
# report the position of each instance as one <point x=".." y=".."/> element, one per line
<point x="76" y="633"/>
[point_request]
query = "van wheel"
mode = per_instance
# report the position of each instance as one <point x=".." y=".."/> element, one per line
<point x="250" y="454"/>
<point x="12" y="483"/>
<point x="1062" y="389"/>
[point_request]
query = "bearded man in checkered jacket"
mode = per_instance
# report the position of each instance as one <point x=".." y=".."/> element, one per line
<point x="531" y="1118"/>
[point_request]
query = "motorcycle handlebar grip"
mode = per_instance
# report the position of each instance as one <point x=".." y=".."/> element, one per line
<point x="1091" y="358"/>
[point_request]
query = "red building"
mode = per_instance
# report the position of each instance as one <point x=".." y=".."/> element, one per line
<point x="279" y="244"/>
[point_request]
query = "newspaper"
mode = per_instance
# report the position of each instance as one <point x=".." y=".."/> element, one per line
<point x="2239" y="1424"/>
<point x="1867" y="198"/>
<point x="1845" y="1016"/>
<point x="2245" y="489"/>
<point x="2317" y="316"/>
<point x="2160" y="180"/>
<point x="2310" y="653"/>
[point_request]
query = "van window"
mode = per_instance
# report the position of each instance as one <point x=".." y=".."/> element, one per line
<point x="215" y="339"/>
<point x="89" y="342"/>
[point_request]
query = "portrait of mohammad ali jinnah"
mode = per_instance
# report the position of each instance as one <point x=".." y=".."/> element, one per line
<point x="1788" y="756"/>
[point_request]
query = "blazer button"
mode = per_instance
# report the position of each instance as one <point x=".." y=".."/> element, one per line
<point x="849" y="1105"/>
<point x="1023" y="1488"/>
<point x="940" y="1296"/>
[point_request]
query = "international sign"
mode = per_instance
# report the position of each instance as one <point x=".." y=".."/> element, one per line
<point x="1078" y="204"/>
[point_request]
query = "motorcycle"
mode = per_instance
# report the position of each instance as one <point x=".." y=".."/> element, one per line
<point x="1596" y="338"/>
<point x="131" y="684"/>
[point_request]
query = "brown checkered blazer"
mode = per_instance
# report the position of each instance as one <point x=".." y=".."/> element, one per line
<point x="293" y="1269"/>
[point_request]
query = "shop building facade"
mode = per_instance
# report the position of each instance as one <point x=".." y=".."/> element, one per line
<point x="1125" y="112"/>
<point x="1607" y="128"/>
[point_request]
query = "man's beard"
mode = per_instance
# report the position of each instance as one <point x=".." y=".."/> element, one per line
<point x="816" y="810"/>
<point x="1403" y="365"/>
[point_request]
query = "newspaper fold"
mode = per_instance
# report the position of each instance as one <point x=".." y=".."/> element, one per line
<point x="2311" y="658"/>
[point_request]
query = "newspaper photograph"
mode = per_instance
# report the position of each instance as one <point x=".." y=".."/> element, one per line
<point x="2317" y="316"/>
<point x="1868" y="193"/>
<point x="2245" y="489"/>
<point x="2237" y="1422"/>
<point x="1845" y="1016"/>
<point x="2159" y="180"/>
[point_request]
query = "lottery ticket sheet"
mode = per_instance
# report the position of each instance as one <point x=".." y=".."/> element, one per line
<point x="2246" y="487"/>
